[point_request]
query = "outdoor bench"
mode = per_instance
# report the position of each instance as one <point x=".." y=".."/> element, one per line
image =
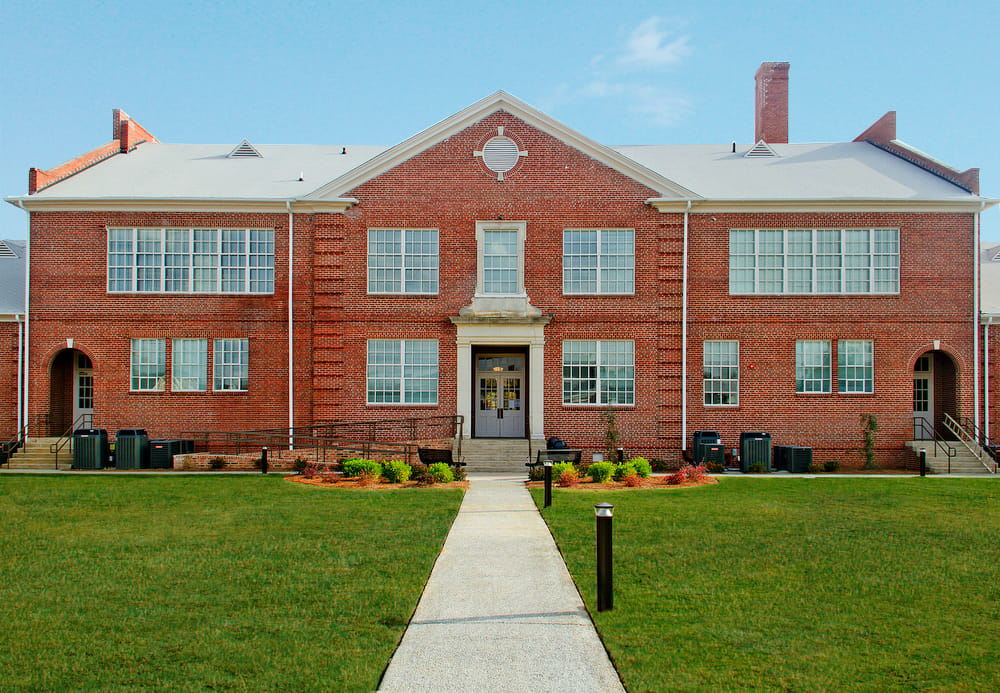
<point x="429" y="456"/>
<point x="561" y="455"/>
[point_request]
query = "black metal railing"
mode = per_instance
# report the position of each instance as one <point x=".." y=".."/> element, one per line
<point x="82" y="421"/>
<point x="980" y="438"/>
<point x="9" y="447"/>
<point x="924" y="431"/>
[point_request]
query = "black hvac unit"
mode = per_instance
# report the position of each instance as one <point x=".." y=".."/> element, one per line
<point x="800" y="460"/>
<point x="780" y="457"/>
<point x="90" y="448"/>
<point x="705" y="438"/>
<point x="132" y="449"/>
<point x="161" y="453"/>
<point x="755" y="448"/>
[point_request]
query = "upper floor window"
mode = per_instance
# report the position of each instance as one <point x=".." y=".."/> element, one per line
<point x="402" y="261"/>
<point x="501" y="258"/>
<point x="598" y="261"/>
<point x="814" y="261"/>
<point x="152" y="260"/>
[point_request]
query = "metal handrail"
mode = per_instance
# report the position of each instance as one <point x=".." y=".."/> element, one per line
<point x="971" y="441"/>
<point x="8" y="448"/>
<point x="68" y="434"/>
<point x="923" y="431"/>
<point x="228" y="442"/>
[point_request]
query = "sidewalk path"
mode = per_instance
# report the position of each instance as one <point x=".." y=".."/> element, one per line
<point x="500" y="612"/>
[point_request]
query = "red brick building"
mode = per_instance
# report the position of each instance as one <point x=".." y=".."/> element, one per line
<point x="501" y="266"/>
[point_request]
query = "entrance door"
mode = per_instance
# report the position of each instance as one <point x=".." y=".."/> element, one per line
<point x="83" y="391"/>
<point x="923" y="397"/>
<point x="500" y="396"/>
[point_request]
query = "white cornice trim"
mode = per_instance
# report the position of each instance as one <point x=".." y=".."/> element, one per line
<point x="973" y="204"/>
<point x="33" y="204"/>
<point x="500" y="101"/>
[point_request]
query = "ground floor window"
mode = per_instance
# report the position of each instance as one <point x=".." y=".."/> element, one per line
<point x="402" y="371"/>
<point x="812" y="366"/>
<point x="231" y="371"/>
<point x="149" y="365"/>
<point x="855" y="366"/>
<point x="598" y="372"/>
<point x="721" y="368"/>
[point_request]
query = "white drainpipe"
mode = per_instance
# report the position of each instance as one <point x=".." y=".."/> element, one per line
<point x="684" y="334"/>
<point x="20" y="371"/>
<point x="23" y="404"/>
<point x="986" y="379"/>
<point x="976" y="317"/>
<point x="291" y="328"/>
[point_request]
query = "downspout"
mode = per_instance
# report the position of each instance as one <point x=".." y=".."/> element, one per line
<point x="986" y="379"/>
<point x="27" y="315"/>
<point x="291" y="328"/>
<point x="20" y="371"/>
<point x="975" y="317"/>
<point x="684" y="333"/>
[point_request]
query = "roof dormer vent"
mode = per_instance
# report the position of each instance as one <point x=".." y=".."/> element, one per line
<point x="760" y="149"/>
<point x="244" y="149"/>
<point x="6" y="251"/>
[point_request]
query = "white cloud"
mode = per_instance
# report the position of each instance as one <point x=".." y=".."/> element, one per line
<point x="653" y="104"/>
<point x="649" y="45"/>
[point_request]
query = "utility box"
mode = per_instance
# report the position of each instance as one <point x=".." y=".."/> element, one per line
<point x="800" y="460"/>
<point x="755" y="448"/>
<point x="701" y="438"/>
<point x="90" y="448"/>
<point x="161" y="453"/>
<point x="779" y="457"/>
<point x="132" y="449"/>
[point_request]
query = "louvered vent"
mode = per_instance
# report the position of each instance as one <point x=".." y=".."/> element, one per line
<point x="500" y="154"/>
<point x="762" y="148"/>
<point x="5" y="250"/>
<point x="244" y="148"/>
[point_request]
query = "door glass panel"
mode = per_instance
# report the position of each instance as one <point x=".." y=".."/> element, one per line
<point x="487" y="393"/>
<point x="512" y="393"/>
<point x="921" y="394"/>
<point x="85" y="391"/>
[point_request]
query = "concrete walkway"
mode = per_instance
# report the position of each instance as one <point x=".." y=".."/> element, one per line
<point x="500" y="612"/>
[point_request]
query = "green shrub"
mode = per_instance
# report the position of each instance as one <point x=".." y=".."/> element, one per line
<point x="396" y="472"/>
<point x="600" y="471"/>
<point x="623" y="470"/>
<point x="642" y="467"/>
<point x="536" y="473"/>
<point x="568" y="476"/>
<point x="354" y="467"/>
<point x="458" y="473"/>
<point x="559" y="467"/>
<point x="756" y="468"/>
<point x="441" y="473"/>
<point x="300" y="464"/>
<point x="831" y="466"/>
<point x="716" y="467"/>
<point x="217" y="463"/>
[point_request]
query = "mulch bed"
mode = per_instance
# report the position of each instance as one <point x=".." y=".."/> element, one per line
<point x="649" y="482"/>
<point x="356" y="484"/>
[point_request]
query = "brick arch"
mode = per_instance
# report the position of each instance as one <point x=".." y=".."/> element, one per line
<point x="60" y="364"/>
<point x="946" y="391"/>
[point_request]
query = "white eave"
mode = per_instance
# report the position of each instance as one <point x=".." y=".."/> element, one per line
<point x="207" y="204"/>
<point x="706" y="205"/>
<point x="499" y="101"/>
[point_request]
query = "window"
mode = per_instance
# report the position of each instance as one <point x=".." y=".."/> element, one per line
<point x="500" y="248"/>
<point x="232" y="365"/>
<point x="402" y="261"/>
<point x="721" y="366"/>
<point x="598" y="261"/>
<point x="814" y="261"/>
<point x="237" y="261"/>
<point x="149" y="365"/>
<point x="855" y="366"/>
<point x="812" y="367"/>
<point x="402" y="371"/>
<point x="190" y="365"/>
<point x="598" y="372"/>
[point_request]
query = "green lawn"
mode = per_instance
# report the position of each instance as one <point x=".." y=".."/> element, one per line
<point x="208" y="583"/>
<point x="796" y="584"/>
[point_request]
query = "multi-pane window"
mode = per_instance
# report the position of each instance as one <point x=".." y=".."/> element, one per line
<point x="721" y="368"/>
<point x="598" y="372"/>
<point x="855" y="366"/>
<point x="189" y="365"/>
<point x="814" y="261"/>
<point x="402" y="371"/>
<point x="402" y="261"/>
<point x="149" y="364"/>
<point x="147" y="260"/>
<point x="812" y="366"/>
<point x="231" y="372"/>
<point x="500" y="261"/>
<point x="598" y="261"/>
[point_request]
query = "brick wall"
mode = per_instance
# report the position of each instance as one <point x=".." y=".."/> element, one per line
<point x="8" y="379"/>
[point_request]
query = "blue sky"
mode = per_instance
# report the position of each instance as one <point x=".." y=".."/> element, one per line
<point x="376" y="73"/>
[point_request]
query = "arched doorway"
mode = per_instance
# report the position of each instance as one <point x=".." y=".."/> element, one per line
<point x="71" y="391"/>
<point x="935" y="393"/>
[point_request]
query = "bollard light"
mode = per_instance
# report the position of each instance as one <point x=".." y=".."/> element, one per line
<point x="923" y="462"/>
<point x="263" y="460"/>
<point x="548" y="483"/>
<point x="605" y="581"/>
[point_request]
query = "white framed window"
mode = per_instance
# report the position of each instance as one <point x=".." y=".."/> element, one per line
<point x="402" y="261"/>
<point x="598" y="372"/>
<point x="598" y="261"/>
<point x="812" y="366"/>
<point x="721" y="373"/>
<point x="402" y="371"/>
<point x="500" y="251"/>
<point x="171" y="260"/>
<point x="856" y="366"/>
<point x="814" y="261"/>
<point x="189" y="365"/>
<point x="231" y="365"/>
<point x="149" y="365"/>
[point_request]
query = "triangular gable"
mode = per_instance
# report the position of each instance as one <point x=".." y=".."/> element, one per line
<point x="500" y="101"/>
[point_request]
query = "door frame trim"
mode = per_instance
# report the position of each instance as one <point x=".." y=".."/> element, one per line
<point x="478" y="350"/>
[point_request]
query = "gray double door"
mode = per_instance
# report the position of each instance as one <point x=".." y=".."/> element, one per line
<point x="499" y="396"/>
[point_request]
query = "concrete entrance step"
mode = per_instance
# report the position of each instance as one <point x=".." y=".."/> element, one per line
<point x="495" y="454"/>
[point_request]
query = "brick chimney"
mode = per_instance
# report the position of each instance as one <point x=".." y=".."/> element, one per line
<point x="771" y="110"/>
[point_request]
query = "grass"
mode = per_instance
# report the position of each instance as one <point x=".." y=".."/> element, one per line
<point x="796" y="584"/>
<point x="208" y="583"/>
